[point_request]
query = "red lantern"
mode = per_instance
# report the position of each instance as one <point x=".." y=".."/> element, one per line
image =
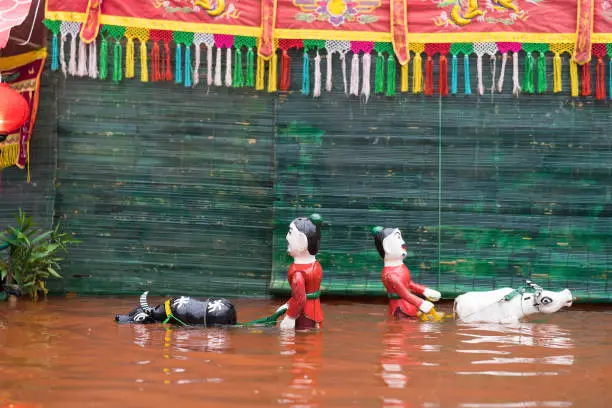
<point x="14" y="109"/>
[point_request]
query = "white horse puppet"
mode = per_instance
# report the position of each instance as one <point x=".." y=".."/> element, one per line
<point x="507" y="305"/>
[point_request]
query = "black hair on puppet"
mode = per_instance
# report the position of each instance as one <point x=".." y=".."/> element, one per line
<point x="311" y="227"/>
<point x="379" y="234"/>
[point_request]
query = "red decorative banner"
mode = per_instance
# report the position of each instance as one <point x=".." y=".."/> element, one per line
<point x="582" y="52"/>
<point x="22" y="73"/>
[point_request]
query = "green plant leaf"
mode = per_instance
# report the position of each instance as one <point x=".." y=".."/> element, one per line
<point x="54" y="273"/>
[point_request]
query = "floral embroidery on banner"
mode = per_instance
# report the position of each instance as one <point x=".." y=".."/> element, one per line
<point x="337" y="12"/>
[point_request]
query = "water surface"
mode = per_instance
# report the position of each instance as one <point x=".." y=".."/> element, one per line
<point x="70" y="353"/>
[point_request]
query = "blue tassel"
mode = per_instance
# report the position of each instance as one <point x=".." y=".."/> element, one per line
<point x="178" y="65"/>
<point x="54" y="57"/>
<point x="306" y="75"/>
<point x="187" y="66"/>
<point x="466" y="75"/>
<point x="454" y="76"/>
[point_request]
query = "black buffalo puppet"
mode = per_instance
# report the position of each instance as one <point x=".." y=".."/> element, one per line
<point x="184" y="311"/>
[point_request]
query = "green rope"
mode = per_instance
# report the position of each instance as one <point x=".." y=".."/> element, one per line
<point x="528" y="79"/>
<point x="103" y="57"/>
<point x="391" y="75"/>
<point x="379" y="83"/>
<point x="117" y="59"/>
<point x="271" y="320"/>
<point x="238" y="80"/>
<point x="542" y="83"/>
<point x="250" y="70"/>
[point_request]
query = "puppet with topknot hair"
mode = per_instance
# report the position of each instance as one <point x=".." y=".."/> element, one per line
<point x="401" y="290"/>
<point x="304" y="275"/>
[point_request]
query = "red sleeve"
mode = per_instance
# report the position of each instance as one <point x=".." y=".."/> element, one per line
<point x="416" y="288"/>
<point x="404" y="293"/>
<point x="298" y="296"/>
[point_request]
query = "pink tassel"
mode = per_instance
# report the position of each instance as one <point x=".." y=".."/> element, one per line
<point x="93" y="60"/>
<point x="72" y="65"/>
<point x="344" y="80"/>
<point x="365" y="83"/>
<point x="500" y="82"/>
<point x="218" y="68"/>
<point x="82" y="64"/>
<point x="328" y="73"/>
<point x="316" y="91"/>
<point x="63" y="56"/>
<point x="209" y="61"/>
<point x="228" y="68"/>
<point x="516" y="89"/>
<point x="196" y="65"/>
<point x="354" y="90"/>
<point x="479" y="67"/>
<point x="493" y="62"/>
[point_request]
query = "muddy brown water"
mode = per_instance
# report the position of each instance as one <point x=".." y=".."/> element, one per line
<point x="70" y="353"/>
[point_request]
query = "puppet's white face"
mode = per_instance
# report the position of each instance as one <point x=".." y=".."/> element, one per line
<point x="297" y="242"/>
<point x="394" y="246"/>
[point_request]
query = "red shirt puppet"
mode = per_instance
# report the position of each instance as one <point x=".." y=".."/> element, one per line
<point x="305" y="279"/>
<point x="396" y="277"/>
<point x="397" y="281"/>
<point x="305" y="274"/>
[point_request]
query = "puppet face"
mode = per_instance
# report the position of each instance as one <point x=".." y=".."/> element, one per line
<point x="297" y="242"/>
<point x="394" y="246"/>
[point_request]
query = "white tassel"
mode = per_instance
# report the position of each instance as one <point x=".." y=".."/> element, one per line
<point x="218" y="68"/>
<point x="316" y="90"/>
<point x="209" y="71"/>
<point x="62" y="56"/>
<point x="328" y="73"/>
<point x="196" y="65"/>
<point x="343" y="59"/>
<point x="480" y="84"/>
<point x="355" y="75"/>
<point x="493" y="62"/>
<point x="365" y="84"/>
<point x="515" y="74"/>
<point x="93" y="60"/>
<point x="82" y="64"/>
<point x="502" y="72"/>
<point x="228" y="68"/>
<point x="72" y="65"/>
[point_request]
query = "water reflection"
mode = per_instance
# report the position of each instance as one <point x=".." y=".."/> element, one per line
<point x="527" y="336"/>
<point x="305" y="349"/>
<point x="404" y="348"/>
<point x="402" y="342"/>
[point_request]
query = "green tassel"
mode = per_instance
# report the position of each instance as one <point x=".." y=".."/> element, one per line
<point x="238" y="80"/>
<point x="250" y="73"/>
<point x="542" y="83"/>
<point x="118" y="66"/>
<point x="391" y="75"/>
<point x="528" y="80"/>
<point x="103" y="58"/>
<point x="379" y="84"/>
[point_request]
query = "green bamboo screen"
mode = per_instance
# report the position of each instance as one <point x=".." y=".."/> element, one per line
<point x="191" y="191"/>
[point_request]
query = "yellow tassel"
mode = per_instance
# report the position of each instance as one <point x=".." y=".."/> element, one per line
<point x="129" y="58"/>
<point x="27" y="163"/>
<point x="260" y="73"/>
<point x="557" y="80"/>
<point x="574" y="78"/>
<point x="9" y="155"/>
<point x="417" y="74"/>
<point x="404" y="85"/>
<point x="272" y="77"/>
<point x="144" y="69"/>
